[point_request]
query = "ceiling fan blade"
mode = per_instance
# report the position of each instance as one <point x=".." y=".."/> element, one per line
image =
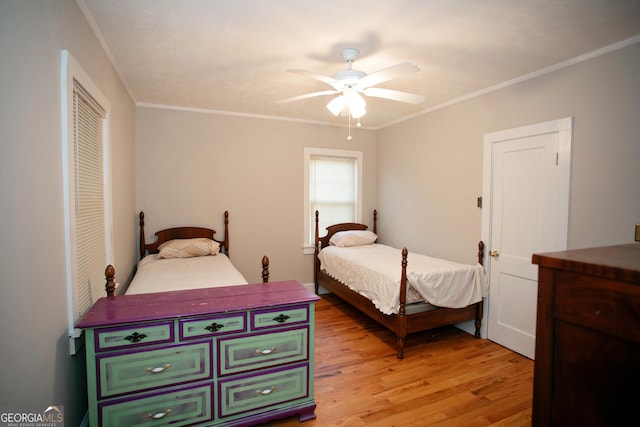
<point x="308" y="95"/>
<point x="314" y="75"/>
<point x="386" y="74"/>
<point x="394" y="95"/>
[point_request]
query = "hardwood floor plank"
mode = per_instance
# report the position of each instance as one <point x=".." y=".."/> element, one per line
<point x="447" y="378"/>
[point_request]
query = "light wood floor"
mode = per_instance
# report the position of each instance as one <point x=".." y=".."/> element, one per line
<point x="447" y="378"/>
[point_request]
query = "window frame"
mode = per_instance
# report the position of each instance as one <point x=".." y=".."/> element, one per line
<point x="71" y="71"/>
<point x="308" y="245"/>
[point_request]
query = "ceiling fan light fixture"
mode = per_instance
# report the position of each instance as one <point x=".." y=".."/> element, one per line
<point x="357" y="104"/>
<point x="336" y="105"/>
<point x="350" y="102"/>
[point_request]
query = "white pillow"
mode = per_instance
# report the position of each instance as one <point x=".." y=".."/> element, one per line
<point x="353" y="238"/>
<point x="188" y="248"/>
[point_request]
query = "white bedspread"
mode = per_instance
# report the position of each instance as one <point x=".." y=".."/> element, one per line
<point x="374" y="271"/>
<point x="158" y="275"/>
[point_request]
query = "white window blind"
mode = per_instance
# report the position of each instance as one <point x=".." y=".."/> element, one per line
<point x="332" y="190"/>
<point x="89" y="186"/>
<point x="333" y="186"/>
<point x="85" y="114"/>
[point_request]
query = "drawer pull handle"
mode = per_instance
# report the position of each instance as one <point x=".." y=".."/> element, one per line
<point x="281" y="318"/>
<point x="159" y="415"/>
<point x="266" y="391"/>
<point x="214" y="327"/>
<point x="158" y="369"/>
<point x="135" y="337"/>
<point x="266" y="351"/>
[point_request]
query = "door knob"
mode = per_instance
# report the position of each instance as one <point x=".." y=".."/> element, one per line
<point x="494" y="254"/>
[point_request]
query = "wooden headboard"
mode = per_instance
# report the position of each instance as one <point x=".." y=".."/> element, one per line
<point x="182" y="233"/>
<point x="323" y="241"/>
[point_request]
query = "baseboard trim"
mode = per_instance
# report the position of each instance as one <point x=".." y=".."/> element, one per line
<point x="312" y="288"/>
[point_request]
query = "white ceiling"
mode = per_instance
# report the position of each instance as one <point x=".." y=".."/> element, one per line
<point x="233" y="55"/>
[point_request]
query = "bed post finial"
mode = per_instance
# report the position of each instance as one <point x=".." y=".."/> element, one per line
<point x="110" y="274"/>
<point x="265" y="269"/>
<point x="481" y="252"/>
<point x="226" y="233"/>
<point x="142" y="242"/>
<point x="375" y="221"/>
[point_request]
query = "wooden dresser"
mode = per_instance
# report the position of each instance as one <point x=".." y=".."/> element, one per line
<point x="587" y="358"/>
<point x="235" y="355"/>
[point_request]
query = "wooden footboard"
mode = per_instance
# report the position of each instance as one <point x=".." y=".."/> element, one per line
<point x="110" y="275"/>
<point x="400" y="324"/>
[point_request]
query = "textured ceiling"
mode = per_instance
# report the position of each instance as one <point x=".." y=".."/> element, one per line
<point x="233" y="55"/>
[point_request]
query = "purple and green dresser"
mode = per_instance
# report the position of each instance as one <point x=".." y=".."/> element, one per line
<point x="228" y="356"/>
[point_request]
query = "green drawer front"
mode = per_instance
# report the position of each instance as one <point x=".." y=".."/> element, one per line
<point x="273" y="318"/>
<point x="178" y="408"/>
<point x="261" y="351"/>
<point x="145" y="369"/>
<point x="135" y="335"/>
<point x="212" y="326"/>
<point x="250" y="393"/>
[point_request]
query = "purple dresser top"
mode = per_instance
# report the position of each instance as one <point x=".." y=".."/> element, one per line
<point x="162" y="305"/>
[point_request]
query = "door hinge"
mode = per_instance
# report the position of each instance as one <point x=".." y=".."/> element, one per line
<point x="557" y="154"/>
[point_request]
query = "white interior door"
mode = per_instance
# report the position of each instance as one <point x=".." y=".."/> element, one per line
<point x="526" y="185"/>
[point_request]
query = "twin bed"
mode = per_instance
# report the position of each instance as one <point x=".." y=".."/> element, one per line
<point x="405" y="293"/>
<point x="183" y="258"/>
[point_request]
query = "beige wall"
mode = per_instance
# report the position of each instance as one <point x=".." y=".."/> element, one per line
<point x="36" y="369"/>
<point x="430" y="168"/>
<point x="192" y="166"/>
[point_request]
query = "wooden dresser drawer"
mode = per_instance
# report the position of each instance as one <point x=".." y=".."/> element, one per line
<point x="144" y="369"/>
<point x="132" y="336"/>
<point x="217" y="325"/>
<point x="604" y="305"/>
<point x="245" y="353"/>
<point x="245" y="394"/>
<point x="285" y="316"/>
<point x="176" y="408"/>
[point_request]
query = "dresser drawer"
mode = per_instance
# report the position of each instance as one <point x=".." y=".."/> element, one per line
<point x="145" y="369"/>
<point x="254" y="392"/>
<point x="285" y="316"/>
<point x="133" y="335"/>
<point x="215" y="325"/>
<point x="603" y="305"/>
<point x="245" y="353"/>
<point x="176" y="408"/>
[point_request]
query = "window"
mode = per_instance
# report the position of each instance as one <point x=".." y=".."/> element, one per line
<point x="333" y="186"/>
<point x="85" y="113"/>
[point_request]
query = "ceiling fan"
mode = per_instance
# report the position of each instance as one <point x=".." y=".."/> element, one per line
<point x="350" y="84"/>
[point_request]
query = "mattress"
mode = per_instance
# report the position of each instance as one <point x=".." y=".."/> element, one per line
<point x="159" y="274"/>
<point x="375" y="270"/>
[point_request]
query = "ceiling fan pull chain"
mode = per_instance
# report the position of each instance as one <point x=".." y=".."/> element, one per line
<point x="349" y="137"/>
